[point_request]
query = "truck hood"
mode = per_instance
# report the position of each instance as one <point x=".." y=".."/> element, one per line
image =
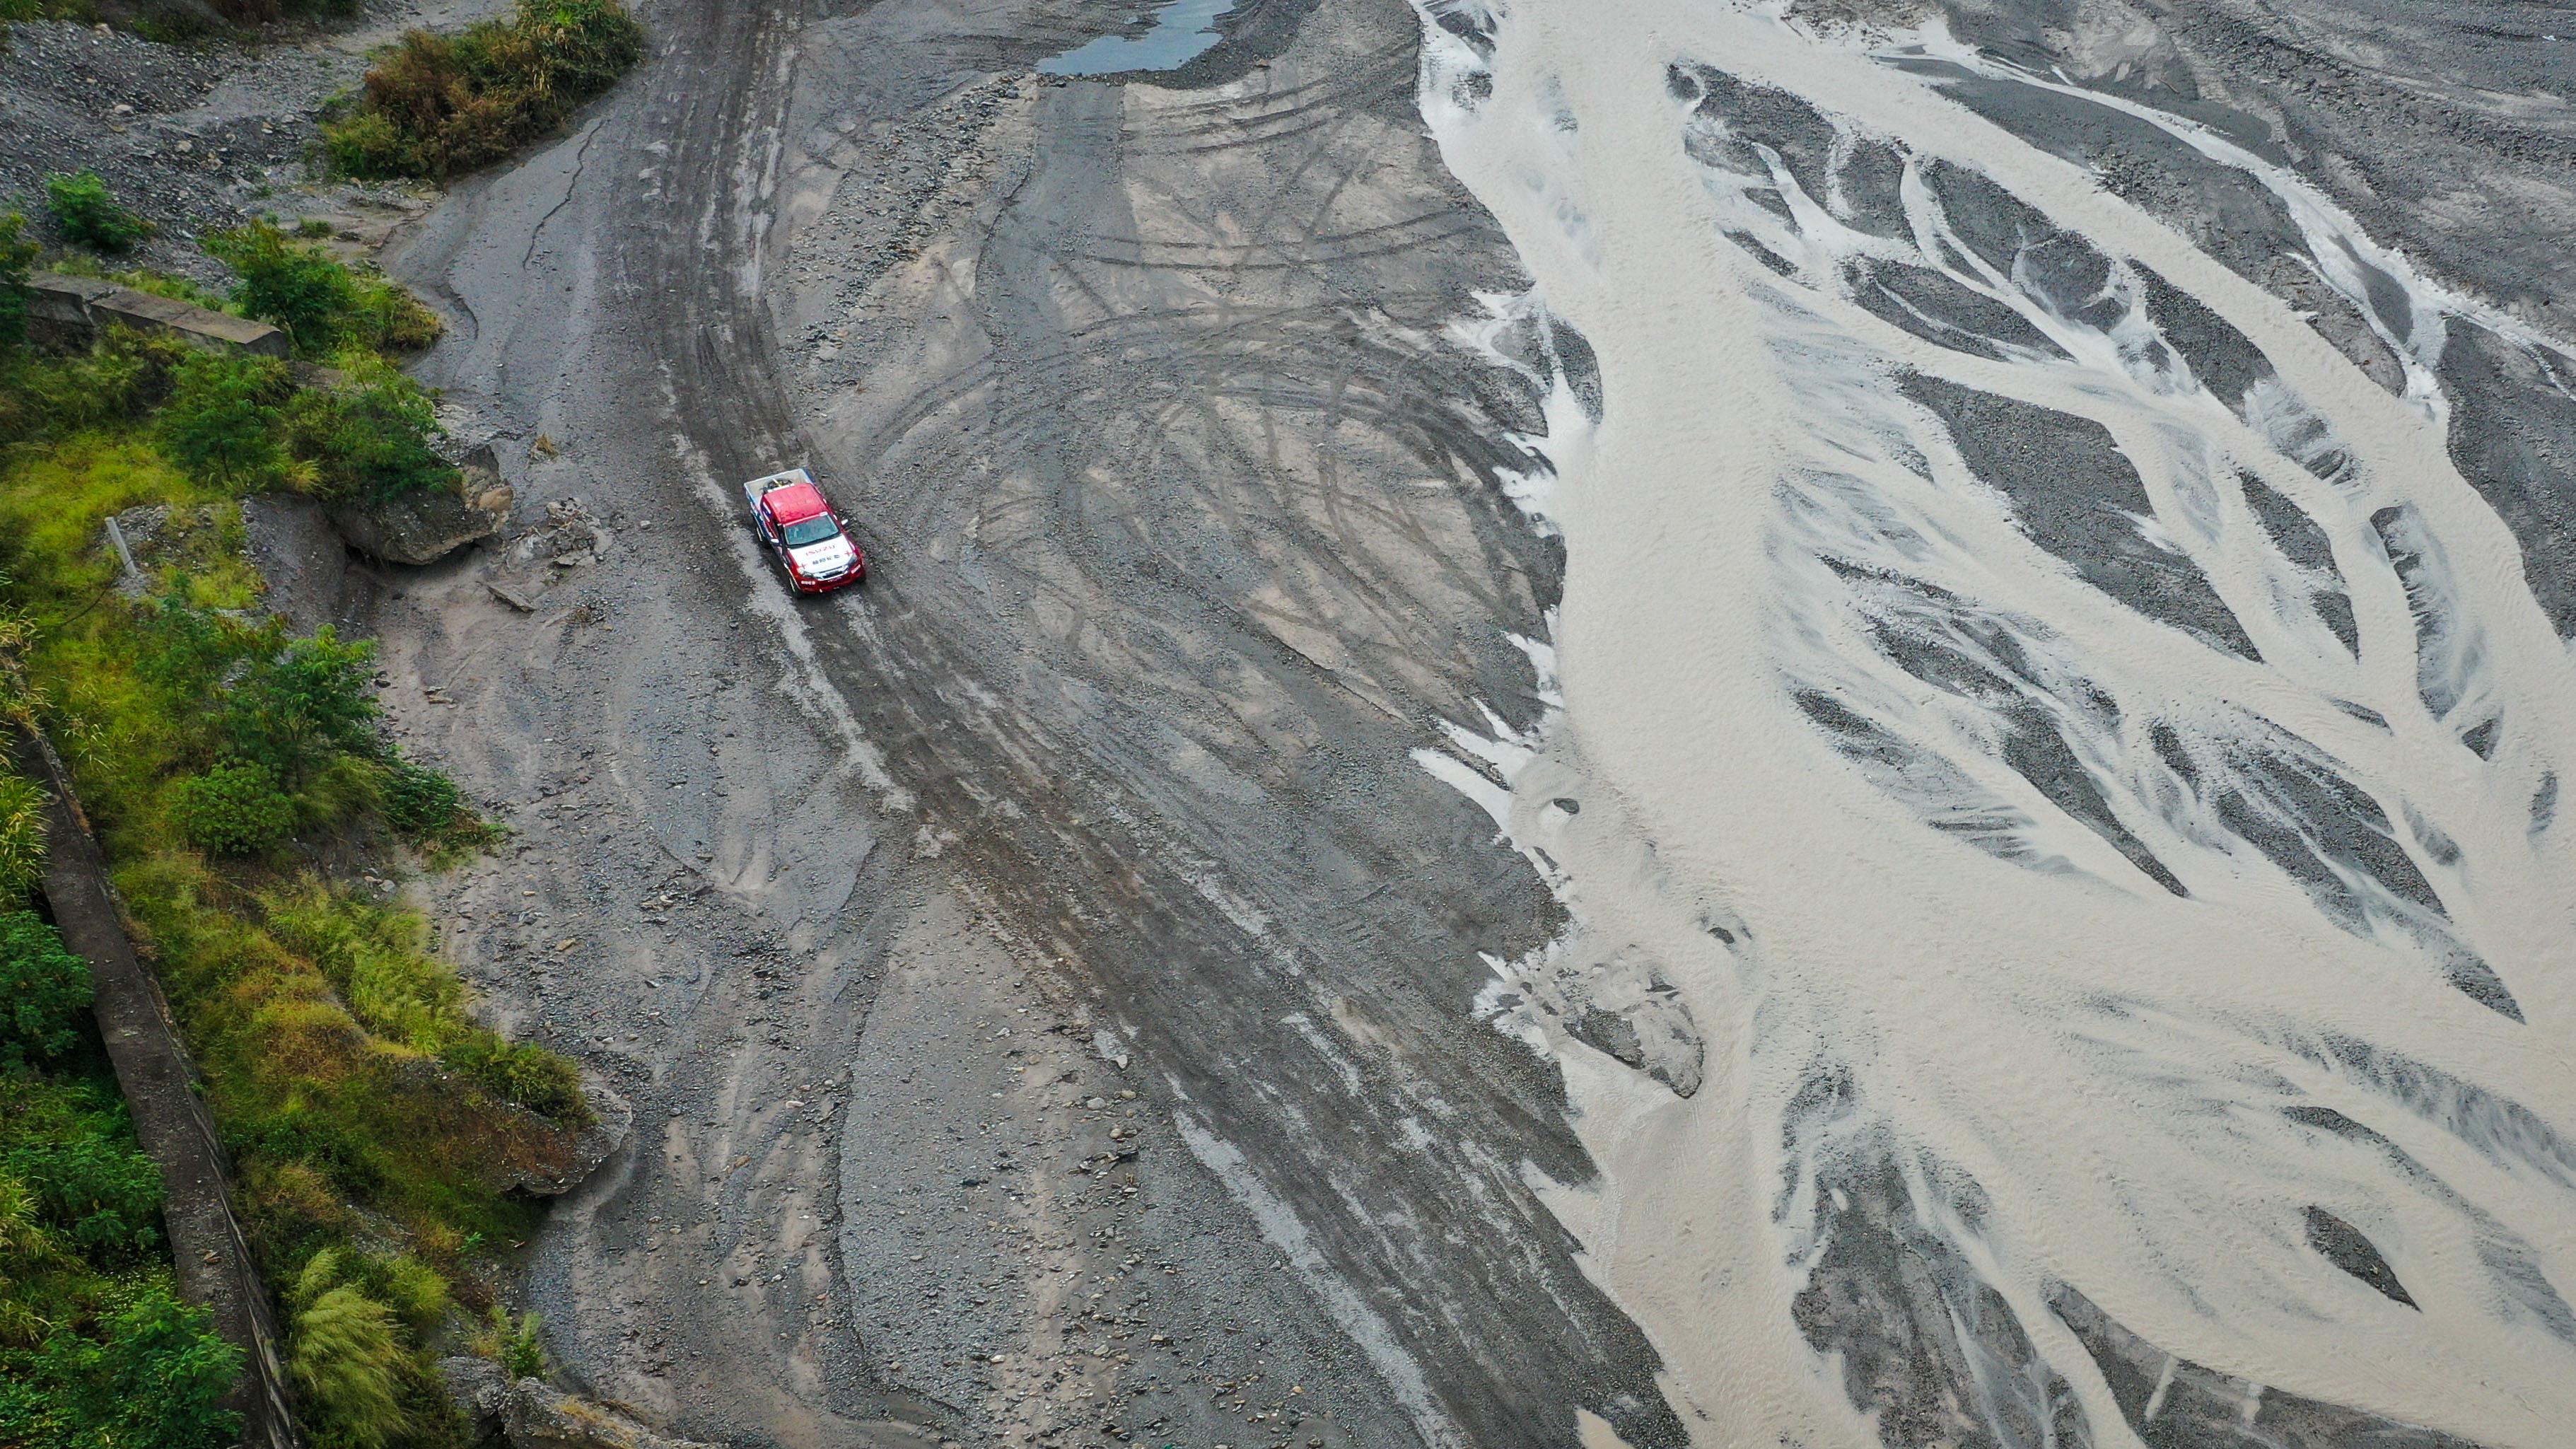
<point x="823" y="560"/>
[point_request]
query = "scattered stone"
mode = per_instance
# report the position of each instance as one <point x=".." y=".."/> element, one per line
<point x="512" y="595"/>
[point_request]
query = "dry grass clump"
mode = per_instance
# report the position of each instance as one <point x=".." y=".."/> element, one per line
<point x="441" y="105"/>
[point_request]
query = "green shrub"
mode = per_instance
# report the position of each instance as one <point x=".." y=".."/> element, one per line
<point x="88" y="216"/>
<point x="17" y="260"/>
<point x="22" y="836"/>
<point x="233" y="809"/>
<point x="415" y="1292"/>
<point x="124" y="375"/>
<point x="387" y="317"/>
<point x="44" y="990"/>
<point x="518" y="1347"/>
<point x="523" y="1072"/>
<point x="309" y="701"/>
<point x="221" y="421"/>
<point x="366" y="146"/>
<point x="299" y="288"/>
<point x="149" y="1371"/>
<point x="369" y="441"/>
<point x="94" y="1186"/>
<point x="441" y="105"/>
<point x="420" y="800"/>
<point x="247" y="693"/>
<point x="324" y="304"/>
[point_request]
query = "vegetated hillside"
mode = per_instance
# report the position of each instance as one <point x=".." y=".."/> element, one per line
<point x="239" y="781"/>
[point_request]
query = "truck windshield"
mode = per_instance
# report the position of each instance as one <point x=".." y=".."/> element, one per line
<point x="810" y="530"/>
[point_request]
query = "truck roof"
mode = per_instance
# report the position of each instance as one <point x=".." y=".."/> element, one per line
<point x="794" y="503"/>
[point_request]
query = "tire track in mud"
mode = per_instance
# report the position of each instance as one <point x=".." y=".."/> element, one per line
<point x="1255" y="551"/>
<point x="1091" y="850"/>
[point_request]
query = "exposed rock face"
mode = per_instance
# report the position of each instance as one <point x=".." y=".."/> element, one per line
<point x="611" y="1119"/>
<point x="300" y="555"/>
<point x="424" y="527"/>
<point x="529" y="1415"/>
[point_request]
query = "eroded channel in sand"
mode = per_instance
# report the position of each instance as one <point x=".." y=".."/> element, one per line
<point x="2054" y="759"/>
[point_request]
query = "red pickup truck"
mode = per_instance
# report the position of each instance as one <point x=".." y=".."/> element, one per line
<point x="799" y="526"/>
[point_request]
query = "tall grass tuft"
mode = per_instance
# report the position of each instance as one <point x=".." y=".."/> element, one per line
<point x="347" y="1359"/>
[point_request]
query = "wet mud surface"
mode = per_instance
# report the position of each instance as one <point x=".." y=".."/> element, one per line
<point x="1186" y="516"/>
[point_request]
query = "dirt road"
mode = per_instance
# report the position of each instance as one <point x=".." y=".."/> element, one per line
<point x="1047" y="986"/>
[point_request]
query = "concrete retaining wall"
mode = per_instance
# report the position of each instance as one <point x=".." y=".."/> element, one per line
<point x="212" y="1261"/>
<point x="82" y="305"/>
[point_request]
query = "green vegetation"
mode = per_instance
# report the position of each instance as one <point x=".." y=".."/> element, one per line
<point x="159" y="284"/>
<point x="235" y="808"/>
<point x="438" y="106"/>
<point x="95" y="1348"/>
<point x="80" y="10"/>
<point x="368" y="439"/>
<point x="377" y="1129"/>
<point x="44" y="990"/>
<point x="89" y="217"/>
<point x="22" y="835"/>
<point x="324" y="305"/>
<point x="221" y="422"/>
<point x="17" y="259"/>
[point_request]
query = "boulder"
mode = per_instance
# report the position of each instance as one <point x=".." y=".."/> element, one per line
<point x="611" y="1119"/>
<point x="530" y="1415"/>
<point x="426" y="526"/>
<point x="536" y="1417"/>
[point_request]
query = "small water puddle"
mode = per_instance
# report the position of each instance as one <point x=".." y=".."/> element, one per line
<point x="1183" y="31"/>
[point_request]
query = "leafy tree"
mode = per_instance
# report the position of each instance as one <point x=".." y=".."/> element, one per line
<point x="368" y="442"/>
<point x="17" y="260"/>
<point x="44" y="990"/>
<point x="222" y="417"/>
<point x="288" y="705"/>
<point x="89" y="216"/>
<point x="297" y="287"/>
<point x="151" y="1372"/>
<point x="304" y="704"/>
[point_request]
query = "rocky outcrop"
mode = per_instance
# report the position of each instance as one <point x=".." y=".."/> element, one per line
<point x="529" y="1415"/>
<point x="80" y="306"/>
<point x="425" y="526"/>
<point x="611" y="1118"/>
